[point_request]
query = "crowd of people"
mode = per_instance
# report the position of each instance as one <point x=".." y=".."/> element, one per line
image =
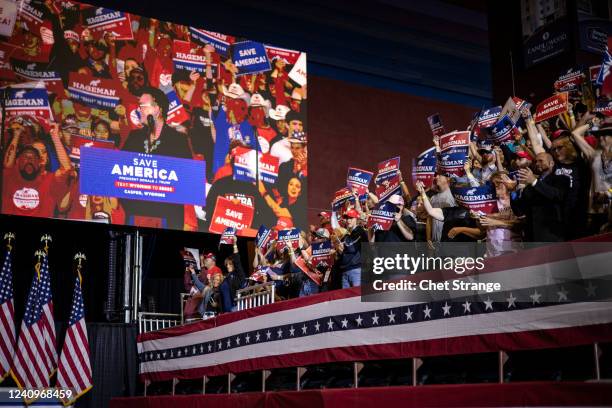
<point x="552" y="183"/>
<point x="552" y="180"/>
<point x="177" y="92"/>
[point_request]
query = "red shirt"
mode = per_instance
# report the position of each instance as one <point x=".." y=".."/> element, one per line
<point x="213" y="271"/>
<point x="36" y="198"/>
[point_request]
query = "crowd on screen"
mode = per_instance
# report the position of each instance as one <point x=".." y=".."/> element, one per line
<point x="552" y="183"/>
<point x="220" y="109"/>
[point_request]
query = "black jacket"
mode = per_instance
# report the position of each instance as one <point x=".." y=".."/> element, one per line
<point x="543" y="205"/>
<point x="351" y="256"/>
<point x="174" y="144"/>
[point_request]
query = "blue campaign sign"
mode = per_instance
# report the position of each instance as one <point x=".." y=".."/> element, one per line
<point x="250" y="57"/>
<point x="479" y="199"/>
<point x="453" y="159"/>
<point x="503" y="131"/>
<point x="139" y="176"/>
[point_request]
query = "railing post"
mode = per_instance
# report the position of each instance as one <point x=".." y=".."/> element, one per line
<point x="597" y="354"/>
<point x="146" y="386"/>
<point x="416" y="364"/>
<point x="299" y="374"/>
<point x="205" y="380"/>
<point x="230" y="378"/>
<point x="182" y="308"/>
<point x="357" y="367"/>
<point x="502" y="359"/>
<point x="174" y="382"/>
<point x="265" y="374"/>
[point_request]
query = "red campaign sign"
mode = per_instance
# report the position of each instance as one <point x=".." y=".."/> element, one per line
<point x="101" y="20"/>
<point x="594" y="72"/>
<point x="6" y="70"/>
<point x="188" y="57"/>
<point x="230" y="213"/>
<point x="435" y="124"/>
<point x="551" y="107"/>
<point x="313" y="275"/>
<point x="80" y="141"/>
<point x="358" y="180"/>
<point x="387" y="185"/>
<point x="455" y="139"/>
<point x="32" y="14"/>
<point x="42" y="51"/>
<point x="341" y="197"/>
<point x="228" y="237"/>
<point x="176" y="111"/>
<point x="247" y="200"/>
<point x="290" y="56"/>
<point x="379" y="222"/>
<point x="95" y="92"/>
<point x="268" y="167"/>
<point x="388" y="166"/>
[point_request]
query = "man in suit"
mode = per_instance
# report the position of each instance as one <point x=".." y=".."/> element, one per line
<point x="542" y="201"/>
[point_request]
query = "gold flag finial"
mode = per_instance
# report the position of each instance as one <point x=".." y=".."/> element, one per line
<point x="39" y="254"/>
<point x="46" y="238"/>
<point x="80" y="257"/>
<point x="8" y="237"/>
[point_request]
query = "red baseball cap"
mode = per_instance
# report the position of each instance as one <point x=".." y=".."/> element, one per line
<point x="352" y="213"/>
<point x="523" y="154"/>
<point x="210" y="255"/>
<point x="560" y="132"/>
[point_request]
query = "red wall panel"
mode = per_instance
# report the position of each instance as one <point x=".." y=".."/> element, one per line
<point x="355" y="125"/>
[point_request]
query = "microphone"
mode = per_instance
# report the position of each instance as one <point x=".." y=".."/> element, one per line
<point x="151" y="123"/>
<point x="151" y="126"/>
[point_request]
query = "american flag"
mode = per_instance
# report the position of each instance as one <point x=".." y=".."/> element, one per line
<point x="74" y="371"/>
<point x="7" y="317"/>
<point x="36" y="357"/>
<point x="604" y="79"/>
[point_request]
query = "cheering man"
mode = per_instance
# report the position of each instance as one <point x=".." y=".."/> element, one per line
<point x="29" y="190"/>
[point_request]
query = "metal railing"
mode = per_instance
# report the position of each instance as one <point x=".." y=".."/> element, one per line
<point x="256" y="295"/>
<point x="247" y="298"/>
<point x="148" y="321"/>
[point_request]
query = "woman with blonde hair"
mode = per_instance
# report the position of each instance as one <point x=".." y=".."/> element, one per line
<point x="503" y="228"/>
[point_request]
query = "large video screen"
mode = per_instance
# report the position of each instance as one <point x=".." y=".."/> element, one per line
<point x="116" y="118"/>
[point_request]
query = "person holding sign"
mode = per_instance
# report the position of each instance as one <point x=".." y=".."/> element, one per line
<point x="457" y="222"/>
<point x="234" y="279"/>
<point x="402" y="227"/>
<point x="349" y="250"/>
<point x="504" y="227"/>
<point x="600" y="161"/>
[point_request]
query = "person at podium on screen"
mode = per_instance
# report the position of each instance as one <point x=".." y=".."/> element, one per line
<point x="155" y="138"/>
